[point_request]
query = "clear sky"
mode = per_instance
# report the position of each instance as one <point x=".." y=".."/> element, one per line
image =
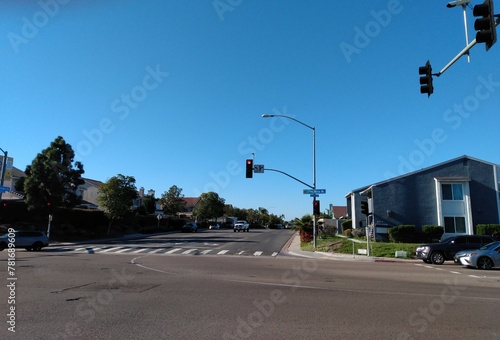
<point x="172" y="92"/>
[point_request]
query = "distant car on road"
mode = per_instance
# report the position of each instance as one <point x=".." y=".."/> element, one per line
<point x="486" y="257"/>
<point x="190" y="227"/>
<point x="241" y="225"/>
<point x="437" y="253"/>
<point x="214" y="226"/>
<point x="30" y="240"/>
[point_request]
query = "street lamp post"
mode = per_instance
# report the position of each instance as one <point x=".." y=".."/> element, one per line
<point x="314" y="164"/>
<point x="4" y="167"/>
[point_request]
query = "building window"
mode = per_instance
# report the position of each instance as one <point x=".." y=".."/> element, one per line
<point x="452" y="192"/>
<point x="454" y="224"/>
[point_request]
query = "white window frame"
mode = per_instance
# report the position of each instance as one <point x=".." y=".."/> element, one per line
<point x="466" y="202"/>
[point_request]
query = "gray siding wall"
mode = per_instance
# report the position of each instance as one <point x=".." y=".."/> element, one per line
<point x="412" y="199"/>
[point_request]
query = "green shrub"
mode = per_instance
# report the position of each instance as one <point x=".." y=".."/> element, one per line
<point x="432" y="233"/>
<point x="403" y="234"/>
<point x="488" y="229"/>
<point x="359" y="232"/>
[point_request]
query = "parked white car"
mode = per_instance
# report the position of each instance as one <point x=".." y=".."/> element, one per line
<point x="31" y="240"/>
<point x="241" y="225"/>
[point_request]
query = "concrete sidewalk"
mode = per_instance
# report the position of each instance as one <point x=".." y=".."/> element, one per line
<point x="293" y="248"/>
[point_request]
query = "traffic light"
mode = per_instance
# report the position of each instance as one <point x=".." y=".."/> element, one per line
<point x="49" y="207"/>
<point x="485" y="26"/>
<point x="364" y="208"/>
<point x="316" y="207"/>
<point x="426" y="81"/>
<point x="249" y="168"/>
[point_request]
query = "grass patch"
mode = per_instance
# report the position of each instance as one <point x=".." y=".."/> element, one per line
<point x="345" y="246"/>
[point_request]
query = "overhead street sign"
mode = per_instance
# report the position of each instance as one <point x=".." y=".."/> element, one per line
<point x="258" y="168"/>
<point x="312" y="192"/>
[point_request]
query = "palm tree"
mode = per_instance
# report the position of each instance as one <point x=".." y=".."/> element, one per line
<point x="305" y="226"/>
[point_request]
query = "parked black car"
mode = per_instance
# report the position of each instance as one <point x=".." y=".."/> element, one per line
<point x="445" y="250"/>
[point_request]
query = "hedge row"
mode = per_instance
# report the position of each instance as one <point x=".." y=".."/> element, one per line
<point x="410" y="234"/>
<point x="81" y="224"/>
<point x="488" y="229"/>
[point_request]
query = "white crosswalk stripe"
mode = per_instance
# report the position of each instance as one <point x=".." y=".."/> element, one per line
<point x="156" y="251"/>
<point x="160" y="251"/>
<point x="110" y="249"/>
<point x="139" y="250"/>
<point x="189" y="251"/>
<point x="171" y="251"/>
<point x="122" y="250"/>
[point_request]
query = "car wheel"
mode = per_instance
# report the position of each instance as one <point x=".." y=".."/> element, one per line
<point x="28" y="248"/>
<point x="37" y="246"/>
<point x="234" y="230"/>
<point x="437" y="257"/>
<point x="427" y="261"/>
<point x="484" y="263"/>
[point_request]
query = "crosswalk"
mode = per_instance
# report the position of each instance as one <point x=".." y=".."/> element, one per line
<point x="131" y="250"/>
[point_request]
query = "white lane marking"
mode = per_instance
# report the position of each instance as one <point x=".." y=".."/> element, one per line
<point x="205" y="252"/>
<point x="222" y="252"/>
<point x="257" y="253"/>
<point x="275" y="254"/>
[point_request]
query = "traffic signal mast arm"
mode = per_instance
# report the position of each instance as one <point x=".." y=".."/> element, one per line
<point x="458" y="56"/>
<point x="463" y="52"/>
<point x="298" y="180"/>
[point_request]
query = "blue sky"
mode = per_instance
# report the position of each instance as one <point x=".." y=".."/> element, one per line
<point x="172" y="92"/>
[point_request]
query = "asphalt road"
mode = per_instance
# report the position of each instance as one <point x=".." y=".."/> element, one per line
<point x="77" y="295"/>
<point x="257" y="242"/>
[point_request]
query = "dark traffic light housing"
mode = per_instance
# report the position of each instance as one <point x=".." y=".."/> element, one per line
<point x="364" y="208"/>
<point x="426" y="85"/>
<point x="249" y="168"/>
<point x="316" y="209"/>
<point x="485" y="25"/>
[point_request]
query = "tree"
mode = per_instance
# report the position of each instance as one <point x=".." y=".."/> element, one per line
<point x="172" y="201"/>
<point x="52" y="179"/>
<point x="305" y="226"/>
<point x="116" y="196"/>
<point x="209" y="206"/>
<point x="149" y="204"/>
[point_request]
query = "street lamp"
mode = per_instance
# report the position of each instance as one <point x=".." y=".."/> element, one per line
<point x="314" y="164"/>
